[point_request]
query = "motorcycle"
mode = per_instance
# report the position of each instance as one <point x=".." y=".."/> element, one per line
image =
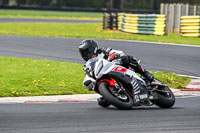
<point x="113" y="82"/>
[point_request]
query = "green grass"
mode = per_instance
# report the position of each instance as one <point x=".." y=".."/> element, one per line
<point x="172" y="79"/>
<point x="50" y="14"/>
<point x="86" y="30"/>
<point x="33" y="77"/>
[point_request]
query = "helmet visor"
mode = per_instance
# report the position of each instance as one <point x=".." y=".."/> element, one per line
<point x="85" y="54"/>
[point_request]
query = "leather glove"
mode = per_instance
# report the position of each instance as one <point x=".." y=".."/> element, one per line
<point x="113" y="56"/>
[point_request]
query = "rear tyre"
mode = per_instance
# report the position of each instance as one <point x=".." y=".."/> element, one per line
<point x="120" y="103"/>
<point x="165" y="100"/>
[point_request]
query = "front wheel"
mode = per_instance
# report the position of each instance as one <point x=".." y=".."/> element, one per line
<point x="116" y="97"/>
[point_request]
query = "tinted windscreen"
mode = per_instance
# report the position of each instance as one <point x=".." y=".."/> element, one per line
<point x="91" y="63"/>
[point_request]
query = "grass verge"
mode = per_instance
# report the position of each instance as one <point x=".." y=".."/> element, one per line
<point x="86" y="30"/>
<point x="34" y="77"/>
<point x="50" y="14"/>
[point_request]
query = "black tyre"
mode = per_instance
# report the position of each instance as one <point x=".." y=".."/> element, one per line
<point x="165" y="99"/>
<point x="124" y="104"/>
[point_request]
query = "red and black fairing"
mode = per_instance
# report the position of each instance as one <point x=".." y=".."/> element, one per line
<point x="119" y="69"/>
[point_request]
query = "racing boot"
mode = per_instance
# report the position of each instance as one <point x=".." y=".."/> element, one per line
<point x="140" y="93"/>
<point x="148" y="75"/>
<point x="102" y="102"/>
<point x="135" y="65"/>
<point x="144" y="73"/>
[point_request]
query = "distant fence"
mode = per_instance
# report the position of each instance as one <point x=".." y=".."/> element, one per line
<point x="174" y="12"/>
<point x="190" y="26"/>
<point x="135" y="23"/>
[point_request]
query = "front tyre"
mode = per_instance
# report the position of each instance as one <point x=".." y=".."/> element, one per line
<point x="121" y="101"/>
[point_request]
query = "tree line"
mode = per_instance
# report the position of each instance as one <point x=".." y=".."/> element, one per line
<point x="97" y="4"/>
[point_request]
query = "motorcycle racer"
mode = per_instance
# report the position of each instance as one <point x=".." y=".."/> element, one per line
<point x="89" y="49"/>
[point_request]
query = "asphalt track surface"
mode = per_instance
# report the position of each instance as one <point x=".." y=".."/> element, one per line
<point x="155" y="57"/>
<point x="5" y="20"/>
<point x="184" y="117"/>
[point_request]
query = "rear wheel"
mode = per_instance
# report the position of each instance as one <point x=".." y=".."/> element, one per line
<point x="118" y="97"/>
<point x="166" y="98"/>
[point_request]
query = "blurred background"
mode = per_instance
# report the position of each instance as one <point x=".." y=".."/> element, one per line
<point x="134" y="6"/>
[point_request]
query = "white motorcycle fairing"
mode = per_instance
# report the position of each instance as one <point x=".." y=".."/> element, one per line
<point x="112" y="66"/>
<point x="98" y="67"/>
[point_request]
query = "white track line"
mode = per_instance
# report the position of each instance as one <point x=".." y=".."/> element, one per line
<point x="194" y="77"/>
<point x="187" y="96"/>
<point x="173" y="44"/>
